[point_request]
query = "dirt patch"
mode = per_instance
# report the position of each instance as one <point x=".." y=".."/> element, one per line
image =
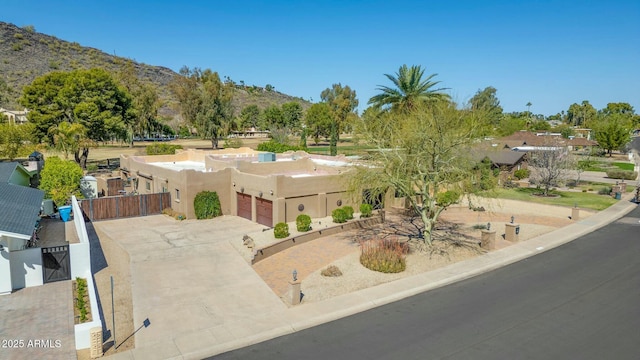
<point x="118" y="267"/>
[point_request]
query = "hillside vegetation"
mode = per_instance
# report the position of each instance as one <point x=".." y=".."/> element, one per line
<point x="26" y="54"/>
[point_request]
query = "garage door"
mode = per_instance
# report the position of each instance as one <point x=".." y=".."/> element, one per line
<point x="264" y="212"/>
<point x="244" y="205"/>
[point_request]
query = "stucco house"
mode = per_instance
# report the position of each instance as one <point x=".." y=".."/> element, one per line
<point x="21" y="209"/>
<point x="263" y="187"/>
<point x="15" y="116"/>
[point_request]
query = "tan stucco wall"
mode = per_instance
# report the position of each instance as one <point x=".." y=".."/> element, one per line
<point x="318" y="193"/>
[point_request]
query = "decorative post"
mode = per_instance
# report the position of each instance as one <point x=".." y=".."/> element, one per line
<point x="512" y="231"/>
<point x="488" y="238"/>
<point x="294" y="289"/>
<point x="575" y="213"/>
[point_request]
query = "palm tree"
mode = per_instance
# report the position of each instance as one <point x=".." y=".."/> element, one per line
<point x="410" y="90"/>
<point x="67" y="137"/>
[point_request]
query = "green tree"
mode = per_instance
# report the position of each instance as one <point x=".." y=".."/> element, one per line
<point x="486" y="100"/>
<point x="409" y="91"/>
<point x="68" y="138"/>
<point x="16" y="140"/>
<point x="5" y="91"/>
<point x="343" y="102"/>
<point x="540" y="125"/>
<point x="215" y="119"/>
<point x="292" y="114"/>
<point x="273" y="118"/>
<point x="618" y="108"/>
<point x="60" y="179"/>
<point x="145" y="103"/>
<point x="250" y="116"/>
<point x="205" y="102"/>
<point x="565" y="130"/>
<point x="318" y="121"/>
<point x="581" y="115"/>
<point x="91" y="98"/>
<point x="612" y="132"/>
<point x="422" y="154"/>
<point x="510" y="123"/>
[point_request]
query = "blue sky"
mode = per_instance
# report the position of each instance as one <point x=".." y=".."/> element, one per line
<point x="549" y="53"/>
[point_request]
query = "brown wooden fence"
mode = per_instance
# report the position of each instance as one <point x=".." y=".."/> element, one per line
<point x="115" y="207"/>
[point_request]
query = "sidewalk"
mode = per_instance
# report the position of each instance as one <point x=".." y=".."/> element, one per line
<point x="249" y="326"/>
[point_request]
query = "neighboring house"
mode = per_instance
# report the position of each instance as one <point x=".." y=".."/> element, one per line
<point x="20" y="206"/>
<point x="259" y="186"/>
<point x="528" y="141"/>
<point x="15" y="116"/>
<point x="505" y="160"/>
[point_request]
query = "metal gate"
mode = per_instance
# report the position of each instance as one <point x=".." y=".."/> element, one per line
<point x="56" y="263"/>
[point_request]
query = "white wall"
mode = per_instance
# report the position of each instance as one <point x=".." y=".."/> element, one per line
<point x="80" y="260"/>
<point x="26" y="268"/>
<point x="81" y="267"/>
<point x="5" y="272"/>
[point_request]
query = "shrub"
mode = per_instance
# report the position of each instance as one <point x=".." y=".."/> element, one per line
<point x="281" y="230"/>
<point x="349" y="211"/>
<point x="207" y="205"/>
<point x="622" y="174"/>
<point x="277" y="147"/>
<point x="605" y="190"/>
<point x="447" y="198"/>
<point x="339" y="216"/>
<point x="365" y="210"/>
<point x="386" y="256"/>
<point x="303" y="222"/>
<point x="521" y="174"/>
<point x="331" y="271"/>
<point x="162" y="149"/>
<point x="234" y="143"/>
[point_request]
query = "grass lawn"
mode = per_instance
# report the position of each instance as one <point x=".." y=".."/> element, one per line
<point x="342" y="149"/>
<point x="566" y="198"/>
<point x="603" y="166"/>
<point x="624" y="166"/>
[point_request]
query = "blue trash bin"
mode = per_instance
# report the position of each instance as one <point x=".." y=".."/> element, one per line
<point x="65" y="212"/>
<point x="618" y="196"/>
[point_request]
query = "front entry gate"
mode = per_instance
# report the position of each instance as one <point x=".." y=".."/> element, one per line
<point x="56" y="263"/>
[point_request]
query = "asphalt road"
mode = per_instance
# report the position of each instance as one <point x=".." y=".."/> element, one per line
<point x="578" y="301"/>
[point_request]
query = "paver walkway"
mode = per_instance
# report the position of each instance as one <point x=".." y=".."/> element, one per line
<point x="37" y="323"/>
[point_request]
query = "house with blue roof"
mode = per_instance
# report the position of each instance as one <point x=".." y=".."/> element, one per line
<point x="19" y="267"/>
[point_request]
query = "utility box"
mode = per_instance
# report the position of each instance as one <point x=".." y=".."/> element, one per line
<point x="95" y="338"/>
<point x="48" y="207"/>
<point x="266" y="157"/>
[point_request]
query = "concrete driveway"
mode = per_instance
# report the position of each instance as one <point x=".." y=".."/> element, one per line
<point x="188" y="279"/>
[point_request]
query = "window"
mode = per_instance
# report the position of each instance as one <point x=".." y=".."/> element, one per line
<point x="177" y="195"/>
<point x="148" y="185"/>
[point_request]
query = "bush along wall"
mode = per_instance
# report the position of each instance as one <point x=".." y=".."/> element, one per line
<point x="207" y="205"/>
<point x="281" y="230"/>
<point x="303" y="223"/>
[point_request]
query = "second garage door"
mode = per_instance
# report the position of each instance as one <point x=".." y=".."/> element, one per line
<point x="244" y="205"/>
<point x="264" y="212"/>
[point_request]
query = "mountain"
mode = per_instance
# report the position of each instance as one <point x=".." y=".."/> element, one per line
<point x="26" y="54"/>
